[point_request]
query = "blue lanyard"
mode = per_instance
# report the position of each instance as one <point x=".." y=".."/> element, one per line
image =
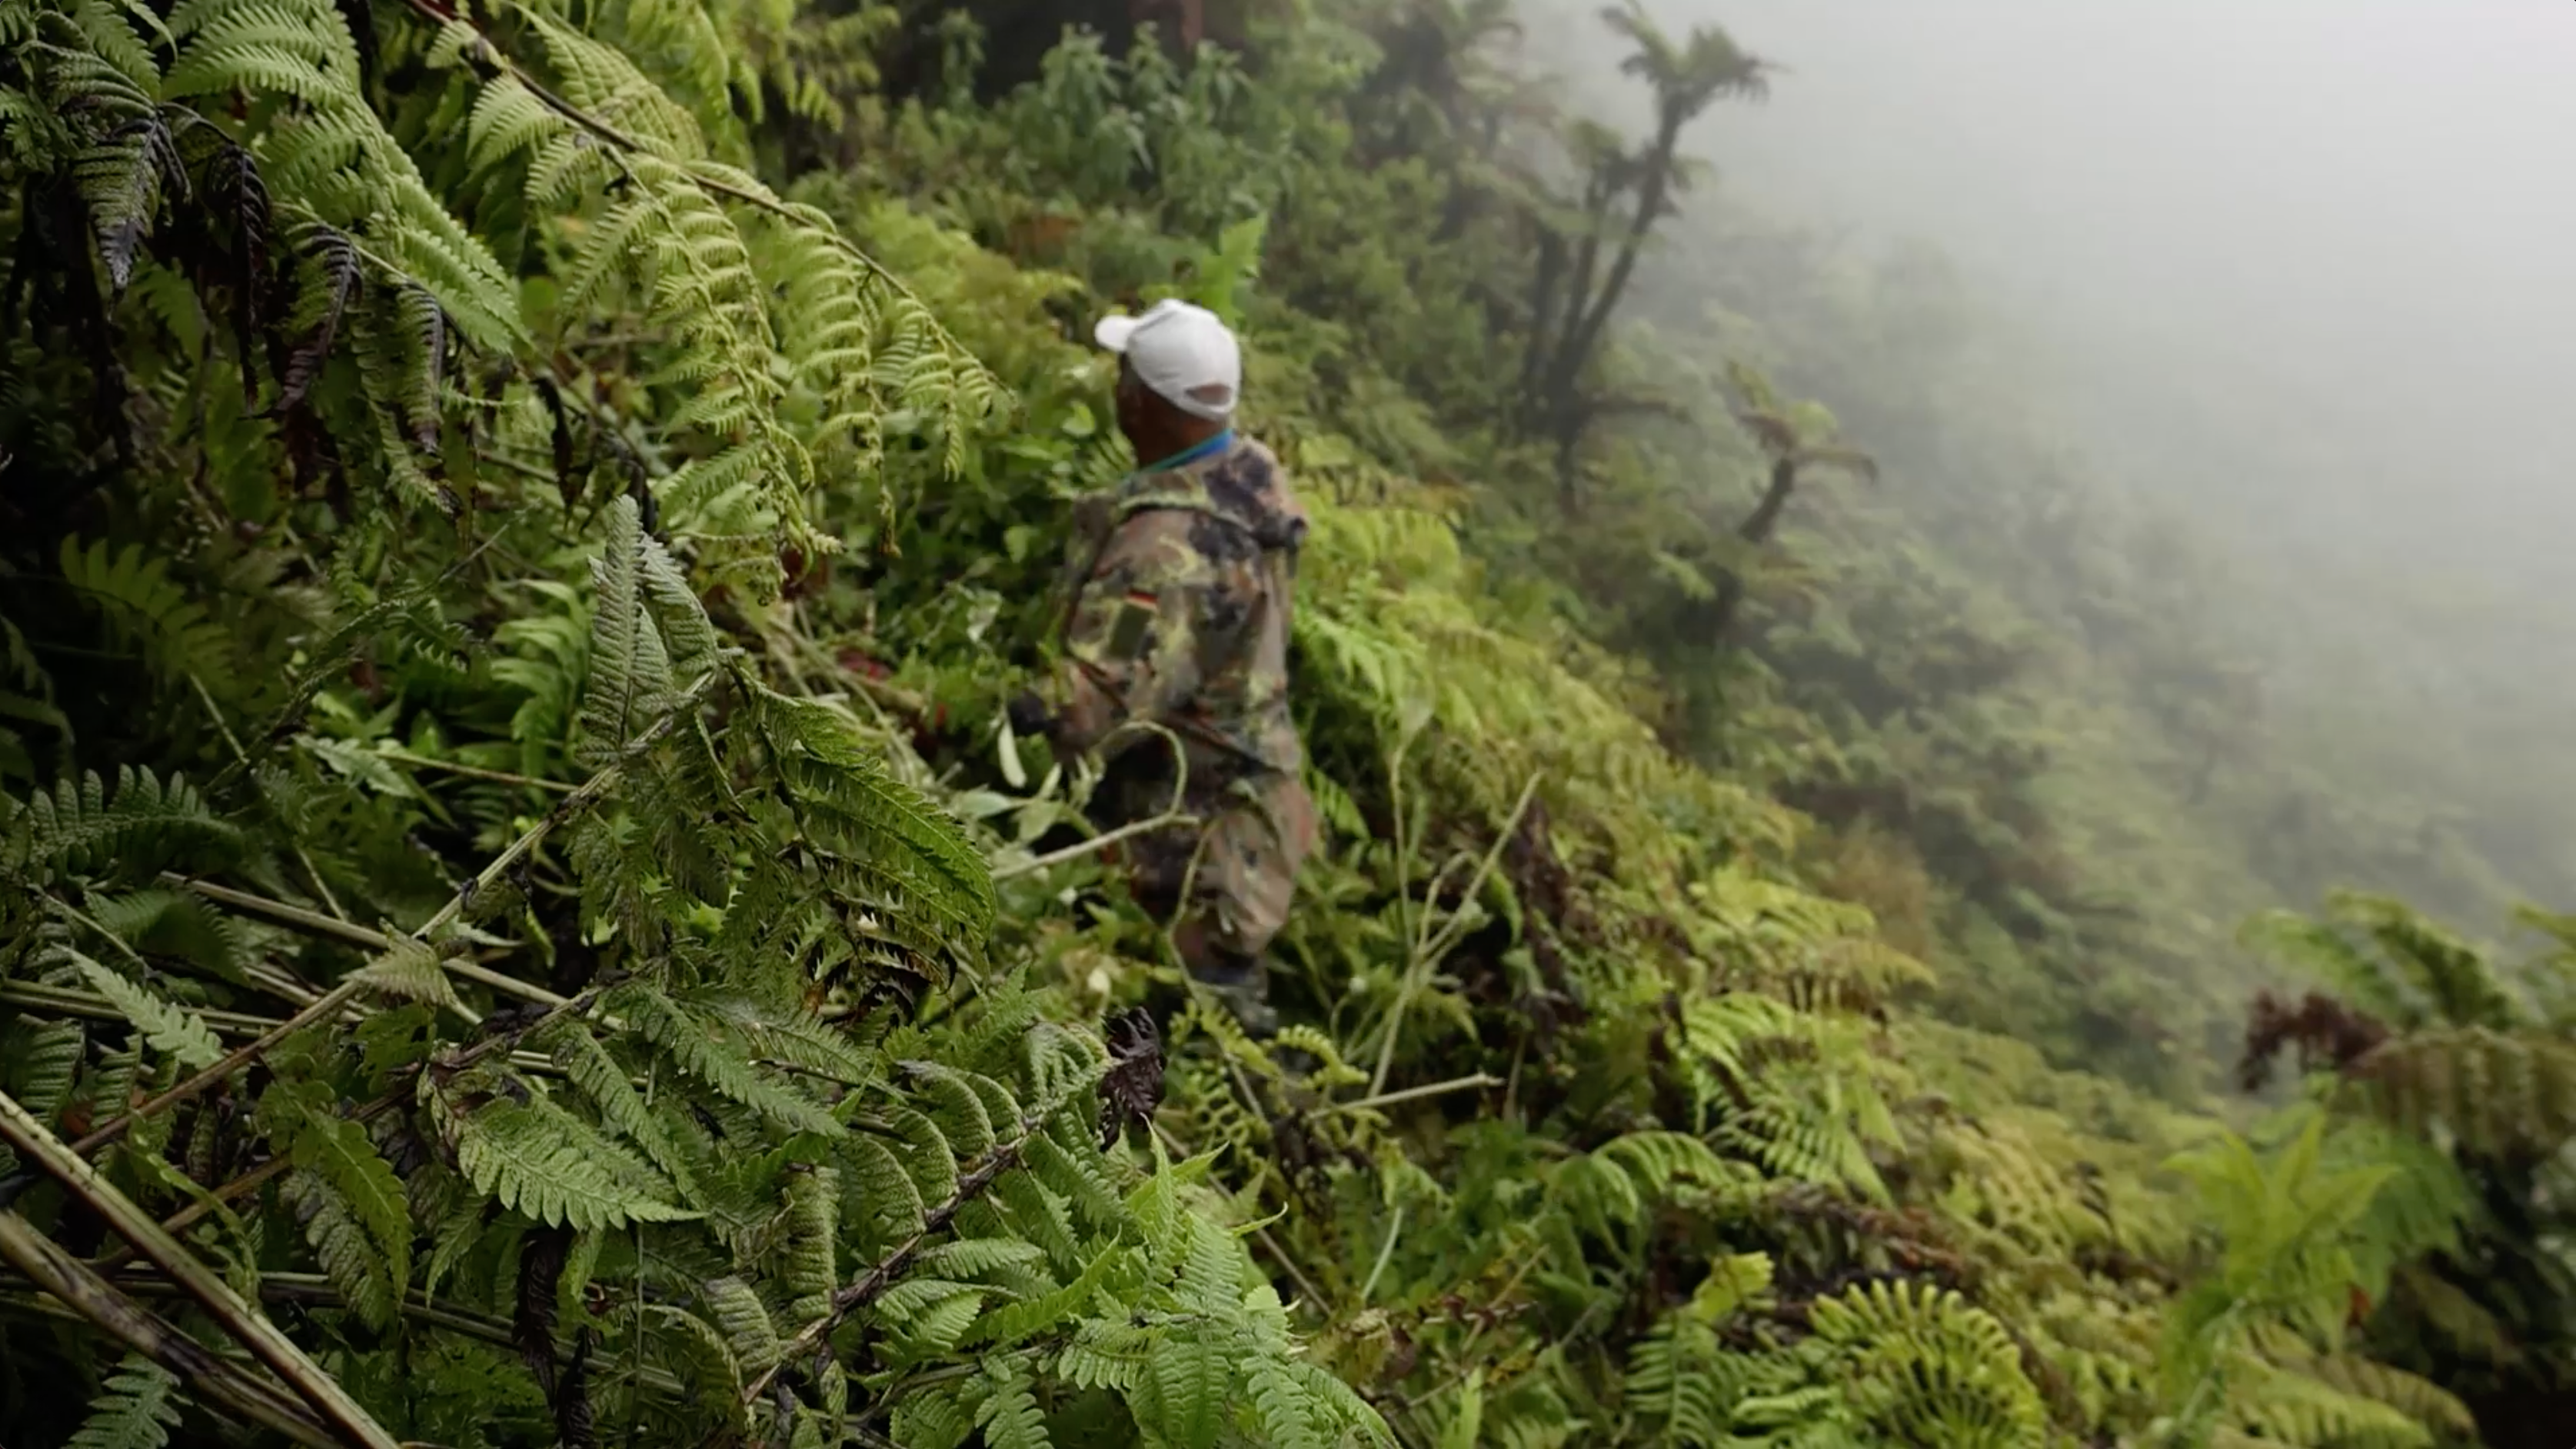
<point x="1190" y="454"/>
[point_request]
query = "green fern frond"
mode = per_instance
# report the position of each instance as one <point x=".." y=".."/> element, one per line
<point x="932" y="1163"/>
<point x="968" y="1257"/>
<point x="1185" y="1388"/>
<point x="145" y="607"/>
<point x="750" y="1333"/>
<point x="303" y="48"/>
<point x="172" y="1030"/>
<point x="2456" y="1318"/>
<point x="972" y="1110"/>
<point x="749" y="285"/>
<point x="914" y="859"/>
<point x="1932" y="1369"/>
<point x="917" y="1297"/>
<point x="940" y="1418"/>
<point x="2418" y="1398"/>
<point x="2282" y="1406"/>
<point x="532" y="1155"/>
<point x="703" y="1349"/>
<point x="408" y="970"/>
<point x="2502" y="1093"/>
<point x="605" y="1083"/>
<point x="1009" y="1413"/>
<point x="2414" y="974"/>
<point x="1682" y="1380"/>
<point x="342" y="1159"/>
<point x="40" y="1064"/>
<point x="1103" y="1355"/>
<point x="811" y="1271"/>
<point x="110" y="31"/>
<point x="124" y="179"/>
<point x="885" y="1192"/>
<point x="935" y="1331"/>
<point x="797" y="1041"/>
<point x="2462" y="986"/>
<point x="349" y="1255"/>
<point x="176" y="923"/>
<point x="631" y="683"/>
<point x="701" y="1046"/>
<point x="1118" y="1272"/>
<point x="136" y="1409"/>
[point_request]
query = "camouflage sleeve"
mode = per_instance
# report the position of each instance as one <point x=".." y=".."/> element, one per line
<point x="1132" y="648"/>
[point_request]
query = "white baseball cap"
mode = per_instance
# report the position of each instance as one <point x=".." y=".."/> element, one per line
<point x="1186" y="354"/>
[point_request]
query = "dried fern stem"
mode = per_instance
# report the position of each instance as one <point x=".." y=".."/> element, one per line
<point x="868" y="1286"/>
<point x="218" y="1380"/>
<point x="341" y="1413"/>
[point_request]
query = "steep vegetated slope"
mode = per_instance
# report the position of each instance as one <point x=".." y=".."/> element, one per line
<point x="522" y="922"/>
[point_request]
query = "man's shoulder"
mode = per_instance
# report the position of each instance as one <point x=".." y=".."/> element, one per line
<point x="1240" y="489"/>
<point x="1246" y="463"/>
<point x="1246" y="485"/>
<point x="1253" y="451"/>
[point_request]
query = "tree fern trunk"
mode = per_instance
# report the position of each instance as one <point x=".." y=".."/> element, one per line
<point x="1758" y="525"/>
<point x="1544" y="281"/>
<point x="1652" y="190"/>
<point x="1756" y="530"/>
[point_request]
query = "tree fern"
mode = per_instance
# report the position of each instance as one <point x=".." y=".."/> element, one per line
<point x="2393" y="961"/>
<point x="2508" y="1094"/>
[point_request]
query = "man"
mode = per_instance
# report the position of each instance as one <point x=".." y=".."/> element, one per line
<point x="1182" y="582"/>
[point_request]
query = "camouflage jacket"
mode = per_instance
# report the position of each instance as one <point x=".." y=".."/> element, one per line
<point x="1181" y="584"/>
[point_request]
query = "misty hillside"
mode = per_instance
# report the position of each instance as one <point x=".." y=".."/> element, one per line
<point x="2321" y="310"/>
<point x="1927" y="675"/>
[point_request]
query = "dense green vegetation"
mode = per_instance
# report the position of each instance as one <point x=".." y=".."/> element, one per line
<point x="521" y="920"/>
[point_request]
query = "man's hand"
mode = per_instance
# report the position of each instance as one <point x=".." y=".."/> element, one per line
<point x="1029" y="714"/>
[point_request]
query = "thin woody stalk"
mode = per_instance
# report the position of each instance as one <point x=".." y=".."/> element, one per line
<point x="323" y="1009"/>
<point x="1437" y="943"/>
<point x="298" y="917"/>
<point x="212" y="1378"/>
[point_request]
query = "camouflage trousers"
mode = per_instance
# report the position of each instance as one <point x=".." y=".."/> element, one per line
<point x="1224" y="886"/>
